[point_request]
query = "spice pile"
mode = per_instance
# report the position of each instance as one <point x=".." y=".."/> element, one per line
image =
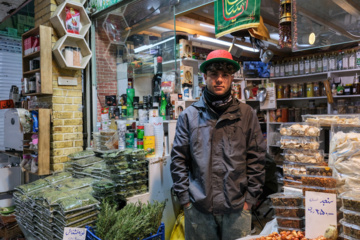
<point x="288" y="235"/>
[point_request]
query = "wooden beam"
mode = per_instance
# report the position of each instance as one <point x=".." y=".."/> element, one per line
<point x="200" y="18"/>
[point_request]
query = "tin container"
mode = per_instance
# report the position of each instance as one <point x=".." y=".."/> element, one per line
<point x="129" y="139"/>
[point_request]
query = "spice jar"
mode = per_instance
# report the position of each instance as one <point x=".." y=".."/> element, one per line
<point x="294" y="90"/>
<point x="309" y="89"/>
<point x="297" y="115"/>
<point x="284" y="114"/>
<point x="280" y="91"/>
<point x="316" y="89"/>
<point x="348" y="89"/>
<point x="341" y="106"/>
<point x="287" y="91"/>
<point x="278" y="115"/>
<point x="291" y="114"/>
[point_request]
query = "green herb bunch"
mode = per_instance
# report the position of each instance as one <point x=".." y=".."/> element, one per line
<point x="134" y="221"/>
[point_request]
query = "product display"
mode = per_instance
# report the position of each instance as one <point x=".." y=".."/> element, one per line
<point x="289" y="212"/>
<point x="288" y="142"/>
<point x="282" y="199"/>
<point x="294" y="169"/>
<point x="316" y="181"/>
<point x="299" y="130"/>
<point x="319" y="171"/>
<point x="351" y="200"/>
<point x="351" y="230"/>
<point x="304" y="156"/>
<point x="327" y="120"/>
<point x="351" y="216"/>
<point x="318" y="189"/>
<point x="291" y="222"/>
<point x="72" y="21"/>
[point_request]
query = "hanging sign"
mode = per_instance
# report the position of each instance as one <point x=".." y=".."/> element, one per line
<point x="74" y="234"/>
<point x="235" y="15"/>
<point x="320" y="213"/>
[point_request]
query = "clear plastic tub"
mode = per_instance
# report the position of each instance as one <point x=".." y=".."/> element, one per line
<point x="351" y="200"/>
<point x="352" y="217"/>
<point x="294" y="212"/>
<point x="329" y="119"/>
<point x="318" y="189"/>
<point x="290" y="200"/>
<point x="304" y="156"/>
<point x="294" y="169"/>
<point x="342" y="235"/>
<point x="319" y="181"/>
<point x="291" y="222"/>
<point x="300" y="129"/>
<point x="350" y="230"/>
<point x="306" y="143"/>
<point x="319" y="171"/>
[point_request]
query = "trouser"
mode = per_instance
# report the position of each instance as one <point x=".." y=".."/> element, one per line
<point x="204" y="226"/>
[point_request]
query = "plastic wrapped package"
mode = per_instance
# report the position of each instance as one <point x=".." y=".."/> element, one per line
<point x="25" y="188"/>
<point x="293" y="212"/>
<point x="56" y="177"/>
<point x="81" y="154"/>
<point x="103" y="186"/>
<point x="319" y="181"/>
<point x="306" y="143"/>
<point x="319" y="171"/>
<point x="139" y="165"/>
<point x="318" y="189"/>
<point x="138" y="155"/>
<point x="328" y="119"/>
<point x="85" y="162"/>
<point x="352" y="217"/>
<point x="83" y="201"/>
<point x="73" y="183"/>
<point x="291" y="222"/>
<point x="350" y="230"/>
<point x="304" y="156"/>
<point x="294" y="169"/>
<point x="117" y="156"/>
<point x="290" y="200"/>
<point x="300" y="129"/>
<point x="291" y="183"/>
<point x="351" y="200"/>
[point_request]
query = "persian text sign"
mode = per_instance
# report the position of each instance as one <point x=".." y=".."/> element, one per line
<point x="320" y="213"/>
<point x="74" y="234"/>
<point x="235" y="15"/>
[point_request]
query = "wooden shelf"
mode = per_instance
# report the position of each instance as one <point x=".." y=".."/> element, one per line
<point x="302" y="98"/>
<point x="44" y="142"/>
<point x="299" y="76"/>
<point x="37" y="94"/>
<point x="32" y="55"/>
<point x="45" y="70"/>
<point x="346" y="96"/>
<point x="31" y="72"/>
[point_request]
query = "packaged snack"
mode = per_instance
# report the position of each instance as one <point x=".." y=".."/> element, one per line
<point x="300" y="129"/>
<point x="351" y="200"/>
<point x="318" y="181"/>
<point x="294" y="169"/>
<point x="290" y="200"/>
<point x="82" y="154"/>
<point x="294" y="212"/>
<point x="351" y="216"/>
<point x="350" y="230"/>
<point x="291" y="222"/>
<point x="318" y="189"/>
<point x="319" y="171"/>
<point x="289" y="142"/>
<point x="304" y="156"/>
<point x="72" y="22"/>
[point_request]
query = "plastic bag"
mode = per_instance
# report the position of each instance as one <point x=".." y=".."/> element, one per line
<point x="72" y="22"/>
<point x="270" y="227"/>
<point x="34" y="164"/>
<point x="178" y="231"/>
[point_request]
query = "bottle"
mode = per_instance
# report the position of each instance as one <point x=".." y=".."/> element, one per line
<point x="340" y="90"/>
<point x="136" y="108"/>
<point x="319" y="65"/>
<point x="169" y="109"/>
<point x="313" y="64"/>
<point x="356" y="85"/>
<point x="156" y="81"/>
<point x="296" y="66"/>
<point x="333" y="90"/>
<point x="339" y="61"/>
<point x="130" y="92"/>
<point x="163" y="106"/>
<point x="282" y="69"/>
<point x="286" y="66"/>
<point x="345" y="60"/>
<point x="123" y="112"/>
<point x="307" y="65"/>
<point x="130" y="71"/>
<point x="325" y="63"/>
<point x="332" y="63"/>
<point x="277" y="70"/>
<point x="272" y="71"/>
<point x="302" y="66"/>
<point x="113" y="124"/>
<point x="291" y="68"/>
<point x="352" y="58"/>
<point x="358" y="58"/>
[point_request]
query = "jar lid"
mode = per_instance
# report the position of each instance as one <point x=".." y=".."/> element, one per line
<point x="348" y="85"/>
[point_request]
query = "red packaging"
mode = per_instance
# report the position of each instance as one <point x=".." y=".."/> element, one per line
<point x="28" y="43"/>
<point x="72" y="21"/>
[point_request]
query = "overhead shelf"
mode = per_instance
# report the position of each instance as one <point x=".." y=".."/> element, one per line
<point x="302" y="98"/>
<point x="299" y="76"/>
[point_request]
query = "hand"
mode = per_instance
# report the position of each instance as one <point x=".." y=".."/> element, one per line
<point x="187" y="205"/>
<point x="247" y="206"/>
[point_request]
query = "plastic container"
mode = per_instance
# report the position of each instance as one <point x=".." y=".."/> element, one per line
<point x="350" y="230"/>
<point x="342" y="235"/>
<point x="318" y="189"/>
<point x="304" y="156"/>
<point x="319" y="171"/>
<point x="300" y="129"/>
<point x="291" y="222"/>
<point x="286" y="200"/>
<point x="284" y="229"/>
<point x="294" y="212"/>
<point x="290" y="183"/>
<point x="327" y="120"/>
<point x="352" y="217"/>
<point x="319" y="181"/>
<point x="290" y="142"/>
<point x="294" y="169"/>
<point x="351" y="200"/>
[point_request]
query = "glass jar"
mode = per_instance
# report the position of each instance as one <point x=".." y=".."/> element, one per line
<point x="282" y="69"/>
<point x="325" y="64"/>
<point x="286" y="64"/>
<point x="277" y="70"/>
<point x="319" y="66"/>
<point x="291" y="68"/>
<point x="332" y="63"/>
<point x="302" y="66"/>
<point x="280" y="92"/>
<point x="352" y="58"/>
<point x="316" y="89"/>
<point x="298" y="115"/>
<point x="348" y="89"/>
<point x="294" y="91"/>
<point x="307" y="66"/>
<point x="284" y="114"/>
<point x="345" y="60"/>
<point x="339" y="61"/>
<point x="287" y="91"/>
<point x="309" y="89"/>
<point x="313" y="65"/>
<point x="272" y="71"/>
<point x="341" y="105"/>
<point x="296" y="66"/>
<point x="291" y="114"/>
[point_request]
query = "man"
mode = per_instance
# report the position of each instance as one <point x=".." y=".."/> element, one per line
<point x="218" y="157"/>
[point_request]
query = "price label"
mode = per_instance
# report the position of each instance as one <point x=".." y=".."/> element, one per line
<point x="74" y="234"/>
<point x="320" y="213"/>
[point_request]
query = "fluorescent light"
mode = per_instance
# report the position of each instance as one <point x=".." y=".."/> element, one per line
<point x="207" y="25"/>
<point x="274" y="36"/>
<point x="145" y="47"/>
<point x="221" y="42"/>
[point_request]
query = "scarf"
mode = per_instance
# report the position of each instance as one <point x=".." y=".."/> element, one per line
<point x="219" y="103"/>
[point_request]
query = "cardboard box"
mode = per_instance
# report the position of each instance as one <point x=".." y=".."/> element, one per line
<point x="185" y="48"/>
<point x="179" y="107"/>
<point x="186" y="74"/>
<point x="30" y="21"/>
<point x="21" y="19"/>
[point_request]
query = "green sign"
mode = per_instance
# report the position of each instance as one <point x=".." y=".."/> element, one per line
<point x="235" y="15"/>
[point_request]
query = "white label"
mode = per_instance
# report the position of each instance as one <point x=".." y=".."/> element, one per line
<point x="74" y="233"/>
<point x="277" y="69"/>
<point x="301" y="66"/>
<point x="296" y="67"/>
<point x="352" y="61"/>
<point x="320" y="213"/>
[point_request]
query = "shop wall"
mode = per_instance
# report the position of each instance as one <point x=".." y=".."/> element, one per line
<point x="67" y="115"/>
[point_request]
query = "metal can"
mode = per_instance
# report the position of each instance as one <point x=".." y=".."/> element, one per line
<point x="309" y="89"/>
<point x="294" y="90"/>
<point x="140" y="144"/>
<point x="280" y="91"/>
<point x="140" y="132"/>
<point x="129" y="140"/>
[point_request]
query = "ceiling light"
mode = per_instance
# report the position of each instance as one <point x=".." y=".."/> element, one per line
<point x="312" y="38"/>
<point x="221" y="42"/>
<point x="145" y="47"/>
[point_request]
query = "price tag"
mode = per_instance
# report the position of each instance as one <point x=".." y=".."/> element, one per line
<point x="74" y="234"/>
<point x="320" y="213"/>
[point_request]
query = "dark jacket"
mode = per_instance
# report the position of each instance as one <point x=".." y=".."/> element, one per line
<point x="218" y="162"/>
